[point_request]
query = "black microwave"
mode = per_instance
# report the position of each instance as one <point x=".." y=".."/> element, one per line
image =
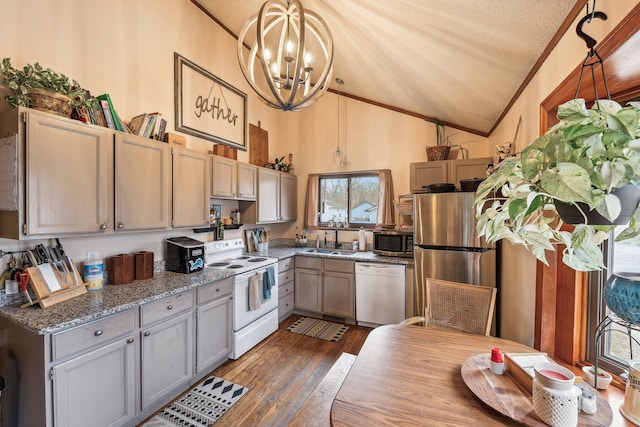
<point x="393" y="243"/>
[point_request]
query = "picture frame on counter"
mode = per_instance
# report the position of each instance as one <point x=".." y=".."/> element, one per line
<point x="208" y="107"/>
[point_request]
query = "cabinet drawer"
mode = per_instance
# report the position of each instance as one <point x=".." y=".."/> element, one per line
<point x="309" y="262"/>
<point x="285" y="276"/>
<point x="285" y="264"/>
<point x="339" y="265"/>
<point x="165" y="308"/>
<point x="85" y="336"/>
<point x="285" y="305"/>
<point x="215" y="290"/>
<point x="285" y="289"/>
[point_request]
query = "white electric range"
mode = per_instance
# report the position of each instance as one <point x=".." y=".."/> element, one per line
<point x="249" y="326"/>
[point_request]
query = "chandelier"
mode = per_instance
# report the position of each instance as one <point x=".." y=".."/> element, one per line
<point x="290" y="57"/>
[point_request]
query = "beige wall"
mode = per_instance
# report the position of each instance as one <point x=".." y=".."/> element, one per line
<point x="125" y="48"/>
<point x="518" y="265"/>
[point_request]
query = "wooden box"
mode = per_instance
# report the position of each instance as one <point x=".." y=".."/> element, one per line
<point x="144" y="265"/>
<point x="122" y="269"/>
<point x="176" y="139"/>
<point x="219" y="150"/>
<point x="519" y="366"/>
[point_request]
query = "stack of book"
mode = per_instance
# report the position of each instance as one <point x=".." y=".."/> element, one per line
<point x="149" y="125"/>
<point x="106" y="115"/>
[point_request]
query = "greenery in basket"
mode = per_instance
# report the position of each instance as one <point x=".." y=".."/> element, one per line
<point x="22" y="81"/>
<point x="582" y="159"/>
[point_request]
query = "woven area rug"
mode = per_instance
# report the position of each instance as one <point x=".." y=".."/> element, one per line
<point x="201" y="406"/>
<point x="317" y="328"/>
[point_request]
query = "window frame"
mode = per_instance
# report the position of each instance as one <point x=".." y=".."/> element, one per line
<point x="348" y="176"/>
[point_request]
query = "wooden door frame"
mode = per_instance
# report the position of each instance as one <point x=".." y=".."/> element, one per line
<point x="561" y="292"/>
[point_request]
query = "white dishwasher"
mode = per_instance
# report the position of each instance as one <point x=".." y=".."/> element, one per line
<point x="380" y="293"/>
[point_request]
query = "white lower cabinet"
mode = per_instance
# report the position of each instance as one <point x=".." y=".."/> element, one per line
<point x="97" y="388"/>
<point x="117" y="370"/>
<point x="167" y="357"/>
<point x="213" y="324"/>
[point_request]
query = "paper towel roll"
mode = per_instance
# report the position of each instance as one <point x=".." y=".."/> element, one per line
<point x="362" y="239"/>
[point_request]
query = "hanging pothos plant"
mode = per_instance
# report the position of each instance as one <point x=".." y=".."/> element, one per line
<point x="581" y="161"/>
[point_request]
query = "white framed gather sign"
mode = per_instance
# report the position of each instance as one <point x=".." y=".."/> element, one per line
<point x="208" y="107"/>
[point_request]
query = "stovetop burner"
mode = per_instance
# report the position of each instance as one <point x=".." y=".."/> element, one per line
<point x="218" y="264"/>
<point x="228" y="254"/>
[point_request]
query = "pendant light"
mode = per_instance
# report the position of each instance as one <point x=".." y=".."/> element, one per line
<point x="338" y="155"/>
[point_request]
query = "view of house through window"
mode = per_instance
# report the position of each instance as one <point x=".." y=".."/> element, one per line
<point x="352" y="198"/>
<point x="616" y="347"/>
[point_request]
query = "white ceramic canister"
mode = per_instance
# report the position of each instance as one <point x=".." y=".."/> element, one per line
<point x="94" y="271"/>
<point x="556" y="400"/>
<point x="630" y="408"/>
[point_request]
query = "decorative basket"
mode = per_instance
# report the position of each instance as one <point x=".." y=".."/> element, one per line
<point x="438" y="152"/>
<point x="404" y="208"/>
<point x="50" y="102"/>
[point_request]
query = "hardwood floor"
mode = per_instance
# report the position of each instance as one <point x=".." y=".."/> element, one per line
<point x="281" y="372"/>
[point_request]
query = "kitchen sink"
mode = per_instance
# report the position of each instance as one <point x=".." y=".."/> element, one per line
<point x="331" y="251"/>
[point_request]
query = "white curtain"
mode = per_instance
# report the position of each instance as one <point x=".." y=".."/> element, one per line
<point x="311" y="207"/>
<point x="386" y="210"/>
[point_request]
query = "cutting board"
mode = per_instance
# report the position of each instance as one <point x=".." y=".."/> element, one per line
<point x="258" y="146"/>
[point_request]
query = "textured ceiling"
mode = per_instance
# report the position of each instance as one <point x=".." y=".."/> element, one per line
<point x="460" y="61"/>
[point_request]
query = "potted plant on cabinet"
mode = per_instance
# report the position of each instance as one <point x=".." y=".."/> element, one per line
<point x="584" y="161"/>
<point x="441" y="150"/>
<point x="44" y="89"/>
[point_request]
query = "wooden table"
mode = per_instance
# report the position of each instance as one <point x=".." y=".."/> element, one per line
<point x="410" y="376"/>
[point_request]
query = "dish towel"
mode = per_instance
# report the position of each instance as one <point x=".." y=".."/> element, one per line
<point x="268" y="281"/>
<point x="254" y="292"/>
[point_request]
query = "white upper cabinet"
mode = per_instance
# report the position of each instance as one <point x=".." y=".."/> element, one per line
<point x="223" y="177"/>
<point x="142" y="178"/>
<point x="247" y="181"/>
<point x="191" y="177"/>
<point x="231" y="179"/>
<point x="276" y="200"/>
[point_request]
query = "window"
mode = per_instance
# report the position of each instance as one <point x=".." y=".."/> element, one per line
<point x="615" y="346"/>
<point x="351" y="198"/>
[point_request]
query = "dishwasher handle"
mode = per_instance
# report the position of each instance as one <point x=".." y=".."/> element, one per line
<point x="387" y="270"/>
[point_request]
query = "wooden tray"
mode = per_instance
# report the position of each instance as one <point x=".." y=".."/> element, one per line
<point x="503" y="394"/>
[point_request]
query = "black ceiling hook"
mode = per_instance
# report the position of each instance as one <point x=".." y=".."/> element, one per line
<point x="590" y="41"/>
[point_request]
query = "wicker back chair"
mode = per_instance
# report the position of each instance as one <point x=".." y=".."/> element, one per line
<point x="458" y="306"/>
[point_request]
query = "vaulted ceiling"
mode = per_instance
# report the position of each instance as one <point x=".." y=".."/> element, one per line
<point x="460" y="61"/>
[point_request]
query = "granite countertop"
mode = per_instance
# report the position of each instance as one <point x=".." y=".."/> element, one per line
<point x="358" y="256"/>
<point x="112" y="299"/>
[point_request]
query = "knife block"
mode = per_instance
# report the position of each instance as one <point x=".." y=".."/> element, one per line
<point x="122" y="269"/>
<point x="144" y="265"/>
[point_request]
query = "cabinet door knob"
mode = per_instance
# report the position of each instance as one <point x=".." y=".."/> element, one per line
<point x="169" y="307"/>
<point x="103" y="227"/>
<point x="120" y="225"/>
<point x="130" y="340"/>
<point x="217" y="289"/>
<point x="146" y="334"/>
<point x="98" y="332"/>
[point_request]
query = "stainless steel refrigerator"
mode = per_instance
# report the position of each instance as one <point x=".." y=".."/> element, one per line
<point x="446" y="246"/>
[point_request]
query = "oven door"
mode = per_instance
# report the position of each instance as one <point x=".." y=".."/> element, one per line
<point x="242" y="315"/>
